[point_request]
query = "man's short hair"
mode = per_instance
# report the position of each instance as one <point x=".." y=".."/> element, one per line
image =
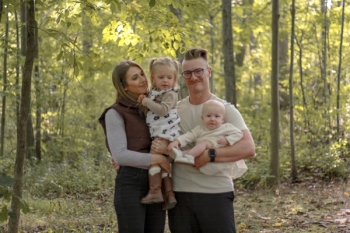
<point x="196" y="53"/>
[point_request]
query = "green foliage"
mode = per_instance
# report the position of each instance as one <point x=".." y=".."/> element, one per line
<point x="80" y="42"/>
<point x="6" y="193"/>
<point x="3" y="214"/>
<point x="56" y="179"/>
<point x="6" y="181"/>
<point x="152" y="3"/>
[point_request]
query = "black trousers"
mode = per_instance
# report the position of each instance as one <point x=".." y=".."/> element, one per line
<point x="131" y="184"/>
<point x="202" y="213"/>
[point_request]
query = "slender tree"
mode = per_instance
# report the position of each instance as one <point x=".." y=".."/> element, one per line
<point x="227" y="46"/>
<point x="29" y="131"/>
<point x="18" y="66"/>
<point x="274" y="157"/>
<point x="339" y="67"/>
<point x="38" y="98"/>
<point x="324" y="50"/>
<point x="22" y="121"/>
<point x="301" y="77"/>
<point x="212" y="16"/>
<point x="291" y="101"/>
<point x="183" y="89"/>
<point x="3" y="107"/>
<point x="211" y="21"/>
<point x="1" y="8"/>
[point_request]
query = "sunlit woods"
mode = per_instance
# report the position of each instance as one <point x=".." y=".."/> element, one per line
<point x="79" y="42"/>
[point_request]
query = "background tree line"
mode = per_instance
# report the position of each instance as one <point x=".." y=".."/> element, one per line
<point x="77" y="43"/>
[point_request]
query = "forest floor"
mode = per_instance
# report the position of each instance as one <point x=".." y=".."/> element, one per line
<point x="311" y="206"/>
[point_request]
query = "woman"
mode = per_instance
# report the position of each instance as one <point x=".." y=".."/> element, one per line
<point x="129" y="141"/>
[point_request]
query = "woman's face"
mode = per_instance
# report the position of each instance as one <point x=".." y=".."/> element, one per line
<point x="136" y="82"/>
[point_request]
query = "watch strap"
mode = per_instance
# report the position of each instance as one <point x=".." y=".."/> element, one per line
<point x="212" y="155"/>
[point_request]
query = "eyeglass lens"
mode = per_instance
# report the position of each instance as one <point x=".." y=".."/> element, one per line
<point x="197" y="72"/>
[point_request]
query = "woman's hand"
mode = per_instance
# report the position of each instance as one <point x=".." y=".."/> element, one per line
<point x="115" y="165"/>
<point x="160" y="145"/>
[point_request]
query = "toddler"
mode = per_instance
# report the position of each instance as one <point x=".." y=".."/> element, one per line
<point x="163" y="122"/>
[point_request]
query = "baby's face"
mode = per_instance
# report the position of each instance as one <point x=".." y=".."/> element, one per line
<point x="213" y="117"/>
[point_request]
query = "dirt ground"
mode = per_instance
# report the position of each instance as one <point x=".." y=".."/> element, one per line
<point x="310" y="206"/>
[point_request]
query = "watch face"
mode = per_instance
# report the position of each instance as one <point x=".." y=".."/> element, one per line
<point x="212" y="152"/>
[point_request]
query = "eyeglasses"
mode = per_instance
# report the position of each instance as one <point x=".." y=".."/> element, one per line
<point x="197" y="72"/>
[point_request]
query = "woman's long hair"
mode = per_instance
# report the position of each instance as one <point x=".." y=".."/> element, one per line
<point x="119" y="82"/>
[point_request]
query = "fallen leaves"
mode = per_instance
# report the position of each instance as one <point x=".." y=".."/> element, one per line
<point x="320" y="207"/>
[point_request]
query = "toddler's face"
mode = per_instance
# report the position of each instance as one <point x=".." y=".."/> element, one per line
<point x="163" y="78"/>
<point x="213" y="117"/>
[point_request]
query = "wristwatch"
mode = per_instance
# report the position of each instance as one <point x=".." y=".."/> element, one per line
<point x="212" y="155"/>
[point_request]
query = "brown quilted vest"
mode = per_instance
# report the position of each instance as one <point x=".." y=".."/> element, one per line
<point x="136" y="129"/>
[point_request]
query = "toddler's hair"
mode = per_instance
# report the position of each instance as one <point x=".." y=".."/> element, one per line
<point x="155" y="63"/>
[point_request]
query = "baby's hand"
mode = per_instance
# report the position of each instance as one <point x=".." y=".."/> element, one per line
<point x="223" y="142"/>
<point x="140" y="98"/>
<point x="173" y="144"/>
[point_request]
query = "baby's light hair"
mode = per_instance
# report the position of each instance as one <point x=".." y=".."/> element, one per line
<point x="209" y="103"/>
<point x="155" y="63"/>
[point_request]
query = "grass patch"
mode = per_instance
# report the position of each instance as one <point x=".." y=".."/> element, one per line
<point x="310" y="206"/>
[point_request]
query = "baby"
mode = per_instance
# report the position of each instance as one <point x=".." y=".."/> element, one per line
<point x="213" y="134"/>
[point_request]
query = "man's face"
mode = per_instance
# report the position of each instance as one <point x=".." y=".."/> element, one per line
<point x="194" y="83"/>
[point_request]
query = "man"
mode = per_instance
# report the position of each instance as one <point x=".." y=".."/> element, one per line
<point x="205" y="203"/>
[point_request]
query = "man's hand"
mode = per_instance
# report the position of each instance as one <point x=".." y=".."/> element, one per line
<point x="202" y="160"/>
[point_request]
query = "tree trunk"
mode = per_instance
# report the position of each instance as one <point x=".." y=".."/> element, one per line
<point x="324" y="50"/>
<point x="18" y="65"/>
<point x="38" y="99"/>
<point x="3" y="108"/>
<point x="29" y="131"/>
<point x="22" y="121"/>
<point x="301" y="75"/>
<point x="339" y="68"/>
<point x="1" y="8"/>
<point x="86" y="48"/>
<point x="86" y="42"/>
<point x="30" y="137"/>
<point x="23" y="28"/>
<point x="283" y="57"/>
<point x="183" y="89"/>
<point x="227" y="46"/>
<point x="291" y="101"/>
<point x="63" y="108"/>
<point x="274" y="162"/>
<point x="211" y="80"/>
